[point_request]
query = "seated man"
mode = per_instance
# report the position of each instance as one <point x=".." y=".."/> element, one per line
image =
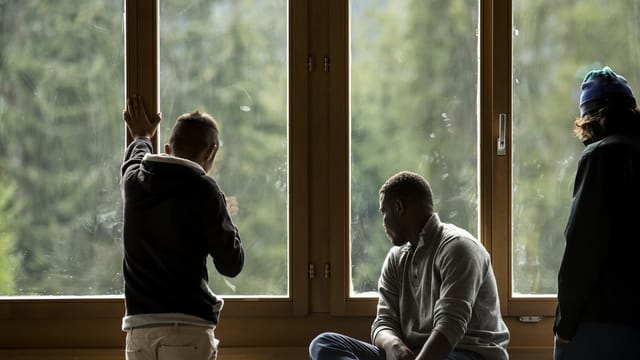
<point x="438" y="295"/>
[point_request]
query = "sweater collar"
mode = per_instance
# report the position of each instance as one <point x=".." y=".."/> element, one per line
<point x="428" y="231"/>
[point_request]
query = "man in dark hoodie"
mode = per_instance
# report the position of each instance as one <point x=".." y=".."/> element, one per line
<point x="597" y="314"/>
<point x="175" y="216"/>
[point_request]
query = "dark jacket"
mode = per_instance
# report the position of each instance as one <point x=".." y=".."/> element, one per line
<point x="174" y="217"/>
<point x="600" y="270"/>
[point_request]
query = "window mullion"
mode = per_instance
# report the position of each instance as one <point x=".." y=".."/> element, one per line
<point x="141" y="54"/>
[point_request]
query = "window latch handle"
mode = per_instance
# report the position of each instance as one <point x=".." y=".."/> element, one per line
<point x="502" y="144"/>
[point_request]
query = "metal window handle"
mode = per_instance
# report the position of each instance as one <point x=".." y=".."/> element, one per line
<point x="530" y="318"/>
<point x="502" y="144"/>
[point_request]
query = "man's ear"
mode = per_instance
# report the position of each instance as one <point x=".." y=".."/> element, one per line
<point x="167" y="149"/>
<point x="211" y="152"/>
<point x="400" y="207"/>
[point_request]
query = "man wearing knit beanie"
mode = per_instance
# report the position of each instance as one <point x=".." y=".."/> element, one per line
<point x="601" y="87"/>
<point x="597" y="315"/>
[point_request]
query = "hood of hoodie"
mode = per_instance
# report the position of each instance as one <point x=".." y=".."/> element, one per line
<point x="159" y="172"/>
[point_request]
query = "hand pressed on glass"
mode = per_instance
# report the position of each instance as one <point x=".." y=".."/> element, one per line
<point x="137" y="121"/>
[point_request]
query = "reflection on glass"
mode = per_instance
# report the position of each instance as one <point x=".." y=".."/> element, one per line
<point x="414" y="83"/>
<point x="229" y="58"/>
<point x="555" y="43"/>
<point x="61" y="140"/>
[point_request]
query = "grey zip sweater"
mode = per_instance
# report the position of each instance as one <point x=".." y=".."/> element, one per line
<point x="445" y="284"/>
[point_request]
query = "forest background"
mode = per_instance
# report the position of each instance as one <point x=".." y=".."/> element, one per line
<point x="414" y="106"/>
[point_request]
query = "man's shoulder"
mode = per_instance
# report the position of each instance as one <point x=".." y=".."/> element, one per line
<point x="397" y="253"/>
<point x="400" y="250"/>
<point x="458" y="240"/>
<point x="611" y="147"/>
<point x="612" y="141"/>
<point x="452" y="232"/>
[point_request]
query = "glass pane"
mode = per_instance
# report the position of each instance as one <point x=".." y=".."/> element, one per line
<point x="555" y="43"/>
<point x="229" y="58"/>
<point x="61" y="140"/>
<point x="414" y="85"/>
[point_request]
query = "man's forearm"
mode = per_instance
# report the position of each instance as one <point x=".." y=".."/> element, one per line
<point x="436" y="348"/>
<point x="386" y="339"/>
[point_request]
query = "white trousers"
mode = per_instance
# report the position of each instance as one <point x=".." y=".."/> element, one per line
<point x="171" y="342"/>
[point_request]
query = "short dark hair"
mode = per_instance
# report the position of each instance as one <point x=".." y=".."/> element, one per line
<point x="409" y="186"/>
<point x="192" y="133"/>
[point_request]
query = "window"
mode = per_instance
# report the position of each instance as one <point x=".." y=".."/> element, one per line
<point x="229" y="58"/>
<point x="554" y="45"/>
<point x="61" y="138"/>
<point x="63" y="183"/>
<point x="414" y="106"/>
<point x="319" y="102"/>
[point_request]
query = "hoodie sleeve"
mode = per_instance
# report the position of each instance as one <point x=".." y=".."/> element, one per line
<point x="131" y="164"/>
<point x="585" y="236"/>
<point x="133" y="157"/>
<point x="224" y="242"/>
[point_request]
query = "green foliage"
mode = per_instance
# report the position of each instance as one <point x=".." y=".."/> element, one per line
<point x="8" y="211"/>
<point x="62" y="72"/>
<point x="414" y="106"/>
<point x="229" y="58"/>
<point x="554" y="45"/>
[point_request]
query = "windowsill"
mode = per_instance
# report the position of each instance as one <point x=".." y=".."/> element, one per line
<point x="94" y="307"/>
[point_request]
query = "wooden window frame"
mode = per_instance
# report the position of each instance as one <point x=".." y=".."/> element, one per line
<point x="318" y="200"/>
